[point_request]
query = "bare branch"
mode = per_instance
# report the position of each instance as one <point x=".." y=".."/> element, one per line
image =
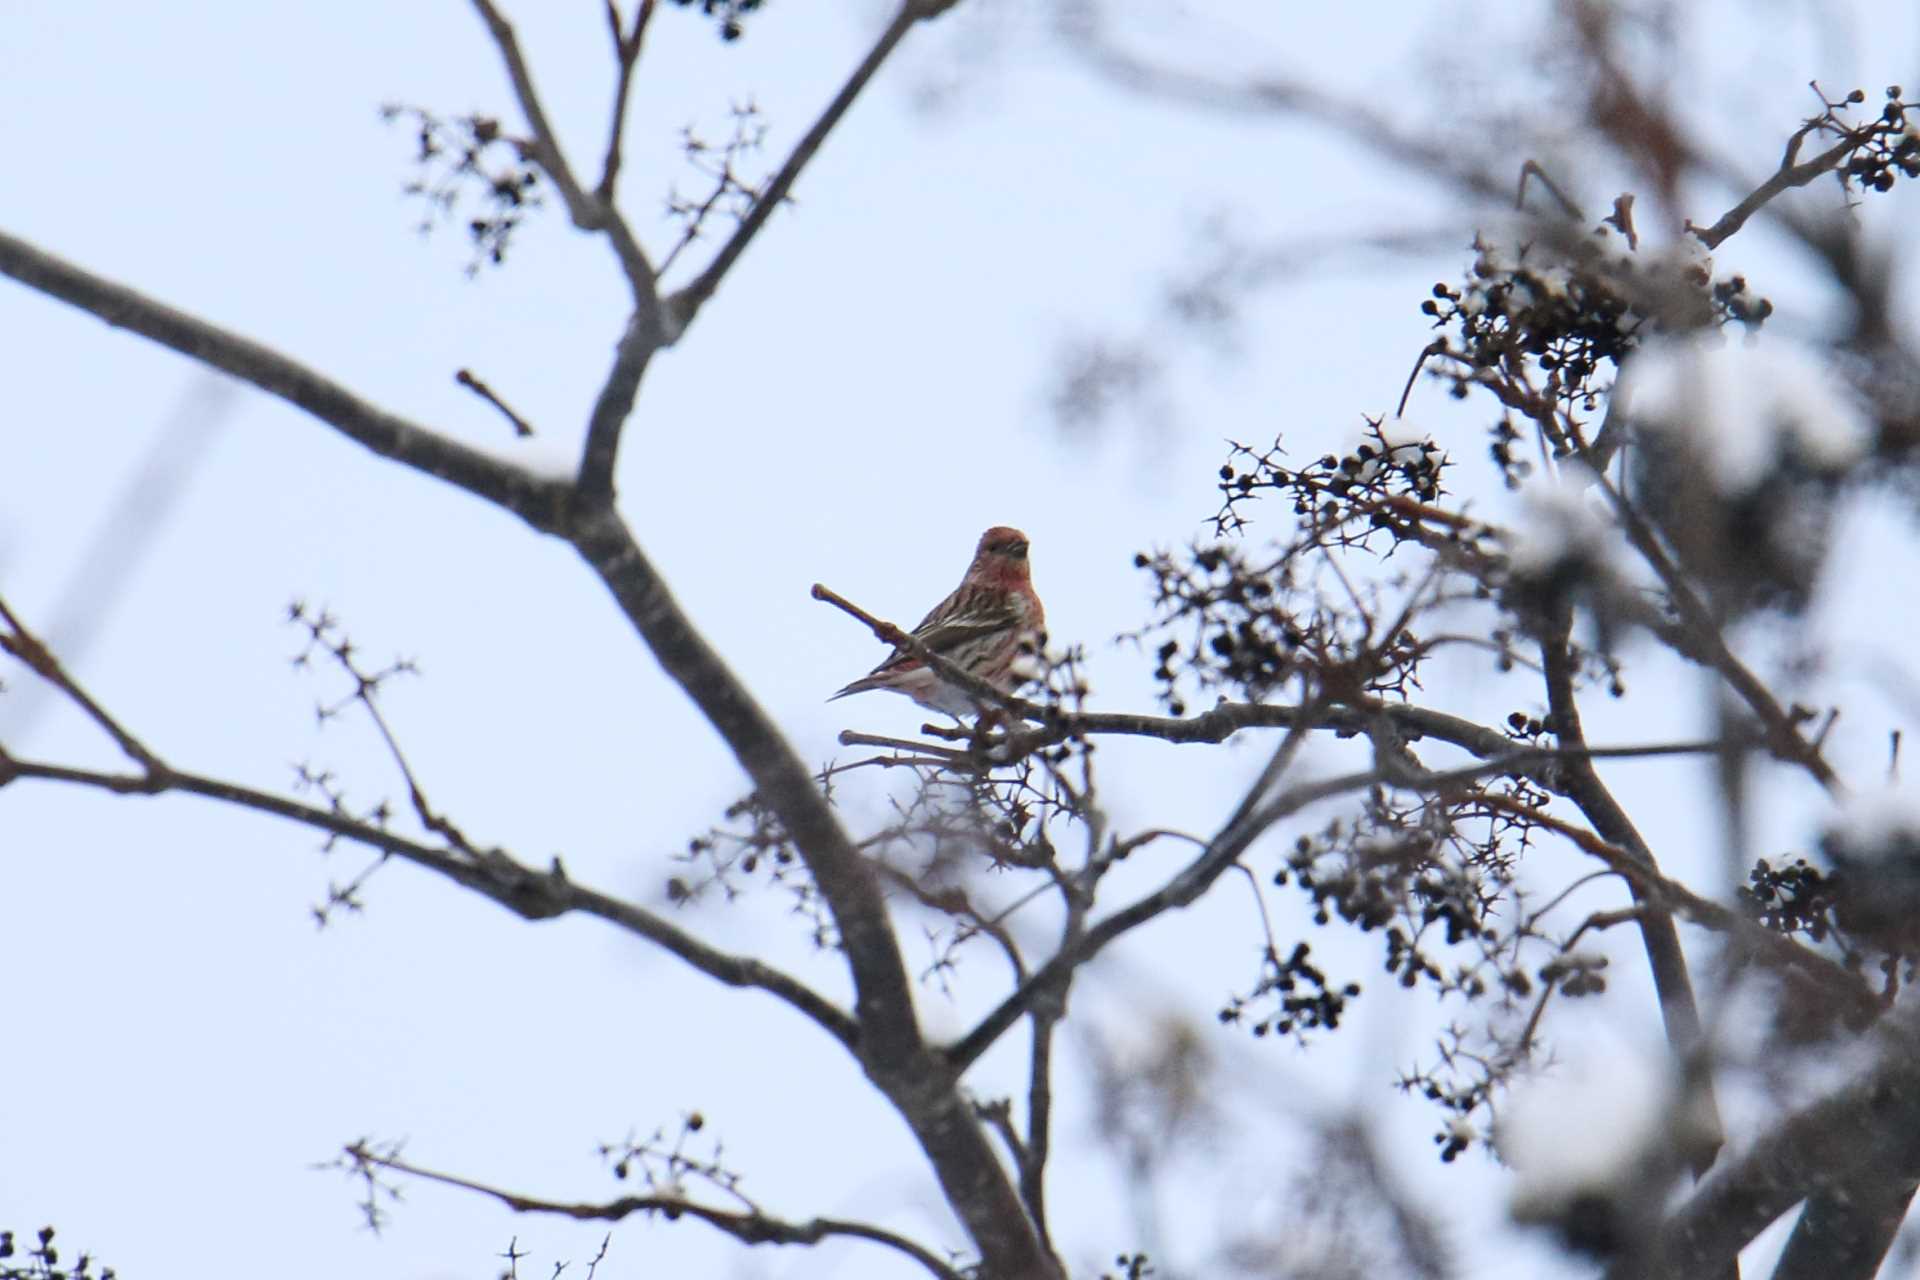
<point x="1848" y="1224"/>
<point x="1869" y="1129"/>
<point x="490" y="872"/>
<point x="1704" y="643"/>
<point x="587" y="213"/>
<point x="750" y="1227"/>
<point x="888" y="1041"/>
<point x="891" y="1049"/>
<point x="626" y="52"/>
<point x="29" y="649"/>
<point x="1666" y="960"/>
<point x="683" y="304"/>
<point x="1788" y="176"/>
<point x="614" y="404"/>
<point x="596" y="211"/>
<point x="466" y="379"/>
<point x="540" y="502"/>
<point x="530" y="894"/>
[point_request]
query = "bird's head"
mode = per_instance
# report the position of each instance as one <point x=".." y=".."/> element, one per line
<point x="1002" y="543"/>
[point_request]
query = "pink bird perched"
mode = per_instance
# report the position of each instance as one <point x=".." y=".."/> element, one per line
<point x="992" y="620"/>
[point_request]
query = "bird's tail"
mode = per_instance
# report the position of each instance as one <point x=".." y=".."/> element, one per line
<point x="861" y="685"/>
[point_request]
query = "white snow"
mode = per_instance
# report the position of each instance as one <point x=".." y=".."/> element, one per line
<point x="1584" y="1128"/>
<point x="1878" y="823"/>
<point x="1559" y="522"/>
<point x="1393" y="439"/>
<point x="1740" y="408"/>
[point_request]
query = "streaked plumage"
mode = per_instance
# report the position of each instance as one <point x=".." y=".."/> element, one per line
<point x="987" y="625"/>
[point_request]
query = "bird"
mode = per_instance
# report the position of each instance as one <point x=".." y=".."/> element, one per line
<point x="991" y="625"/>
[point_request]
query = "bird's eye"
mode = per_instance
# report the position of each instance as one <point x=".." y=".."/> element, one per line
<point x="1018" y="551"/>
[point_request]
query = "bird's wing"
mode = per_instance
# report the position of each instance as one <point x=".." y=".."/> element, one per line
<point x="963" y="616"/>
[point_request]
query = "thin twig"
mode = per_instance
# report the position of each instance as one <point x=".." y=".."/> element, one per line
<point x="646" y="331"/>
<point x="685" y="303"/>
<point x="538" y="500"/>
<point x="28" y="648"/>
<point x="937" y="755"/>
<point x="1709" y="646"/>
<point x="751" y="1227"/>
<point x="496" y="875"/>
<point x="587" y="213"/>
<point x="1182" y="890"/>
<point x="531" y="894"/>
<point x="626" y="51"/>
<point x="1532" y="169"/>
<point x="1785" y="178"/>
<point x="466" y="379"/>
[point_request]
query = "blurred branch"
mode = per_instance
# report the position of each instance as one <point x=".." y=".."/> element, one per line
<point x="1848" y="1224"/>
<point x="1273" y="95"/>
<point x="1666" y="960"/>
<point x="1704" y="643"/>
<point x="1869" y="1129"/>
<point x="1785" y="178"/>
<point x="1847" y="990"/>
<point x="626" y="52"/>
<point x="749" y="1227"/>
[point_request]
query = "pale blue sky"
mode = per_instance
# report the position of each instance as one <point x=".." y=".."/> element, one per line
<point x="866" y="392"/>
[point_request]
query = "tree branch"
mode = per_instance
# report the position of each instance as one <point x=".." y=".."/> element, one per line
<point x="1856" y="1002"/>
<point x="30" y="650"/>
<point x="587" y="213"/>
<point x="541" y="502"/>
<point x="626" y="52"/>
<point x="596" y="211"/>
<point x="1706" y="645"/>
<point x="683" y="304"/>
<point x="888" y="1042"/>
<point x="891" y="1049"/>
<point x="489" y="872"/>
<point x="750" y="1227"/>
<point x="1848" y="1224"/>
<point x="1785" y="178"/>
<point x="614" y="404"/>
<point x="1186" y="887"/>
<point x="1869" y="1129"/>
<point x="1666" y="960"/>
<point x="530" y="894"/>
